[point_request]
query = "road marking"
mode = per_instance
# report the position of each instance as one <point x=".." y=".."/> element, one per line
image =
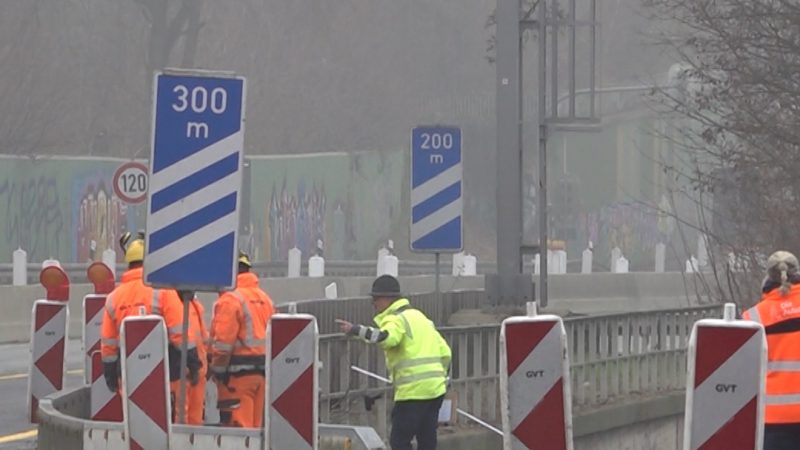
<point x="18" y="436"/>
<point x="17" y="376"/>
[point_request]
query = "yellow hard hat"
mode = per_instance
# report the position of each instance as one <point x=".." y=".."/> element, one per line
<point x="244" y="259"/>
<point x="134" y="248"/>
<point x="135" y="251"/>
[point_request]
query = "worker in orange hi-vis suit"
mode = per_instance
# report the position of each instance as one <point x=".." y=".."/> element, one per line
<point x="196" y="390"/>
<point x="238" y="349"/>
<point x="133" y="298"/>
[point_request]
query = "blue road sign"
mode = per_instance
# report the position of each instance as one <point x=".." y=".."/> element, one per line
<point x="195" y="181"/>
<point x="436" y="191"/>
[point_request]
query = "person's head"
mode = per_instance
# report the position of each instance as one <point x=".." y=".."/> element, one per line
<point x="133" y="246"/>
<point x="385" y="290"/>
<point x="244" y="262"/>
<point x="781" y="266"/>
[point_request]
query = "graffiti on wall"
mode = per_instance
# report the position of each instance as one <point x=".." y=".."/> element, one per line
<point x="30" y="210"/>
<point x="348" y="201"/>
<point x="631" y="227"/>
<point x="100" y="218"/>
<point x="294" y="218"/>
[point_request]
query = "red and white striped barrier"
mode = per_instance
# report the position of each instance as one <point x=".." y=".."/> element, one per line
<point x="93" y="306"/>
<point x="105" y="405"/>
<point x="725" y="384"/>
<point x="146" y="406"/>
<point x="534" y="383"/>
<point x="291" y="420"/>
<point x="48" y="345"/>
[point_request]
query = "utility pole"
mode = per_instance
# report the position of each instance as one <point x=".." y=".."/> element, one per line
<point x="510" y="286"/>
<point x="504" y="288"/>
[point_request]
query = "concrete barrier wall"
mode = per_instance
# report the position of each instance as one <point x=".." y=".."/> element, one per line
<point x="583" y="294"/>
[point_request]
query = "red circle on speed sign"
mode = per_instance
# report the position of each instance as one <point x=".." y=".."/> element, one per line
<point x="130" y="182"/>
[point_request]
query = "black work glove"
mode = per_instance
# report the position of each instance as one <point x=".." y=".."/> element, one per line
<point x="174" y="356"/>
<point x="194" y="365"/>
<point x="111" y="374"/>
<point x="223" y="378"/>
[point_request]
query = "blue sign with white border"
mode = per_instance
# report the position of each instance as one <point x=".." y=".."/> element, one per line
<point x="436" y="190"/>
<point x="195" y="181"/>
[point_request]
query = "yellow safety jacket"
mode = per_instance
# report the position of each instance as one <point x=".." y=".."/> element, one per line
<point x="417" y="356"/>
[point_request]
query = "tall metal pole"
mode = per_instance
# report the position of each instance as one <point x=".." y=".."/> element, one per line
<point x="541" y="205"/>
<point x="509" y="181"/>
<point x="186" y="298"/>
<point x="438" y="271"/>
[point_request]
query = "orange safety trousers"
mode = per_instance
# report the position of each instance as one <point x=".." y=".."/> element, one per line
<point x="195" y="395"/>
<point x="195" y="401"/>
<point x="249" y="391"/>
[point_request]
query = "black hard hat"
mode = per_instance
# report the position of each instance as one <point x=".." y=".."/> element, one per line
<point x="385" y="286"/>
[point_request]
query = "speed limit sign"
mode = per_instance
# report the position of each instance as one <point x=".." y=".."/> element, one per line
<point x="130" y="182"/>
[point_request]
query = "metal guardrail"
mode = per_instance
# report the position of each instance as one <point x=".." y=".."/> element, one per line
<point x="612" y="357"/>
<point x="278" y="269"/>
<point x="615" y="356"/>
<point x="359" y="309"/>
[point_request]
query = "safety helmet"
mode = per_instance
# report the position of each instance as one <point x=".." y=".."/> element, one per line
<point x="244" y="259"/>
<point x="132" y="246"/>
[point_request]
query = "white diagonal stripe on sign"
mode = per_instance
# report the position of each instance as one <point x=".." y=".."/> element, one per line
<point x="144" y="430"/>
<point x="191" y="242"/>
<point x="435" y="220"/>
<point x="283" y="434"/>
<point x="50" y="333"/>
<point x="195" y="201"/>
<point x="196" y="162"/>
<point x="713" y="409"/>
<point x="137" y="366"/>
<point x="435" y="185"/>
<point x="90" y="338"/>
<point x="526" y="391"/>
<point x="40" y="384"/>
<point x="100" y="395"/>
<point x="301" y="347"/>
<point x="92" y="328"/>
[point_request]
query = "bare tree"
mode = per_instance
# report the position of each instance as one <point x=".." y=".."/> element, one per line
<point x="735" y="118"/>
<point x="171" y="21"/>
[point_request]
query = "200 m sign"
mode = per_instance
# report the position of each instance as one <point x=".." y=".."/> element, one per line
<point x="130" y="182"/>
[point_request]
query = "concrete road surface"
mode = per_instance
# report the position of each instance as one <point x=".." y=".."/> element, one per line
<point x="16" y="432"/>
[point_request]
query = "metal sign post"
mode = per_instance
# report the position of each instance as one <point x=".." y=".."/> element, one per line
<point x="436" y="192"/>
<point x="510" y="285"/>
<point x="194" y="191"/>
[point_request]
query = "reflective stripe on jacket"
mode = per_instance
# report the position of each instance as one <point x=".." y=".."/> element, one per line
<point x="127" y="300"/>
<point x="239" y="325"/>
<point x="417" y="356"/>
<point x="781" y="319"/>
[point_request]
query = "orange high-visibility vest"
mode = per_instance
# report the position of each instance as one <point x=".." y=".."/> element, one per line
<point x="238" y="327"/>
<point x="127" y="300"/>
<point x="781" y="319"/>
